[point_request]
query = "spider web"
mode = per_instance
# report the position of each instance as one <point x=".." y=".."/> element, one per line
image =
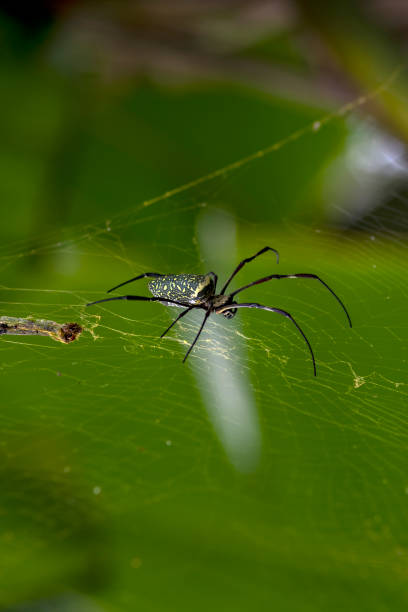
<point x="121" y="428"/>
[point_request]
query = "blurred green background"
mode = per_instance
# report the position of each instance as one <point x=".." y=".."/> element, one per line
<point x="129" y="480"/>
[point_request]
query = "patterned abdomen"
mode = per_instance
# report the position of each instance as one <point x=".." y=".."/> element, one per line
<point x="186" y="288"/>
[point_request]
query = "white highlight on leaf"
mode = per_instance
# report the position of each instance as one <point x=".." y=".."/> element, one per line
<point x="226" y="390"/>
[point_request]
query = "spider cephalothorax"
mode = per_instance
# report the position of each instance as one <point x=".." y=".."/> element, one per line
<point x="191" y="291"/>
<point x="220" y="304"/>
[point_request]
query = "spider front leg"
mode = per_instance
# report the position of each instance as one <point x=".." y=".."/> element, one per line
<point x="278" y="311"/>
<point x="278" y="276"/>
<point x="247" y="260"/>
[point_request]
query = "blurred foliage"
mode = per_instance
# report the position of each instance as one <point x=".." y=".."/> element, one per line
<point x="118" y="491"/>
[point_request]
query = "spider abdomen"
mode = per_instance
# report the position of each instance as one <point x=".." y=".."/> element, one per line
<point x="186" y="288"/>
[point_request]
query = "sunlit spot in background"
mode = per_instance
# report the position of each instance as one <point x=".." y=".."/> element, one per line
<point x="359" y="180"/>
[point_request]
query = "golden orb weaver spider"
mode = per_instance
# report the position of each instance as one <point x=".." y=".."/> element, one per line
<point x="191" y="291"/>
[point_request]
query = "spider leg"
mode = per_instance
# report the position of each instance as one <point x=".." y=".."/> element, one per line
<point x="207" y="314"/>
<point x="278" y="311"/>
<point x="215" y="278"/>
<point x="141" y="298"/>
<point x="247" y="260"/>
<point x="175" y="320"/>
<point x="146" y="274"/>
<point x="278" y="276"/>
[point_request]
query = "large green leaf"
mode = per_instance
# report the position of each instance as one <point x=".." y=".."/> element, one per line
<point x="126" y="471"/>
<point x="238" y="479"/>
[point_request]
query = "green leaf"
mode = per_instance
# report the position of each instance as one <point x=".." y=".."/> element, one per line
<point x="237" y="480"/>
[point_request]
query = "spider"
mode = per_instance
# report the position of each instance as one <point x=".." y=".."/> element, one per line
<point x="191" y="291"/>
